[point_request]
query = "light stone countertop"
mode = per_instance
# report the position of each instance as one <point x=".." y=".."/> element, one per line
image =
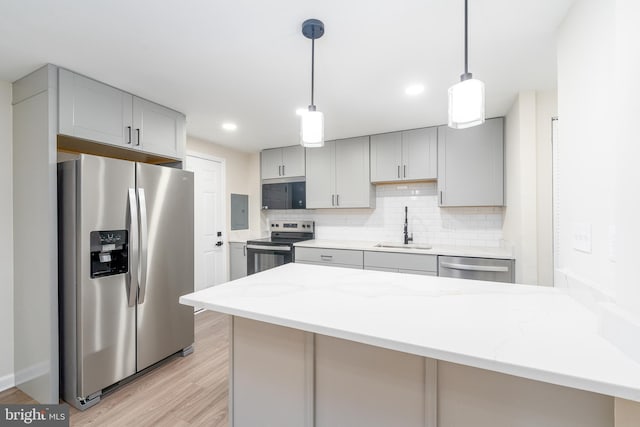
<point x="465" y="251"/>
<point x="532" y="332"/>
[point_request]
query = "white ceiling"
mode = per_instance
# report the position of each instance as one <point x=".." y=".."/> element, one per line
<point x="246" y="61"/>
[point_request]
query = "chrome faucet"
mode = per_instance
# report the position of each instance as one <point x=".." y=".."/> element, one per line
<point x="407" y="239"/>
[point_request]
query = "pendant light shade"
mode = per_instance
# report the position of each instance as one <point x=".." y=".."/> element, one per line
<point x="466" y="104"/>
<point x="312" y="121"/>
<point x="312" y="129"/>
<point x="466" y="99"/>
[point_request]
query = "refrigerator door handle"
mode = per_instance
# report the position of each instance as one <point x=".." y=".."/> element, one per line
<point x="133" y="241"/>
<point x="143" y="244"/>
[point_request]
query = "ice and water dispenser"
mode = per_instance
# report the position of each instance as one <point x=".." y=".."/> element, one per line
<point x="109" y="253"/>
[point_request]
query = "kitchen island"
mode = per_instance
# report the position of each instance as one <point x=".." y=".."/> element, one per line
<point x="326" y="346"/>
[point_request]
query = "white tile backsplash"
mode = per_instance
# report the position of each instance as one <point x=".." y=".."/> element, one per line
<point x="430" y="224"/>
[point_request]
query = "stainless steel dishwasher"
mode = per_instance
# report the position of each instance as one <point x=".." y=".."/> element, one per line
<point x="494" y="270"/>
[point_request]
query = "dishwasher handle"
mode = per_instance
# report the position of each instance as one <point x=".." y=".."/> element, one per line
<point x="467" y="267"/>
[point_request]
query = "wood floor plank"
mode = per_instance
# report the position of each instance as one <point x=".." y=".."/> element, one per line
<point x="186" y="391"/>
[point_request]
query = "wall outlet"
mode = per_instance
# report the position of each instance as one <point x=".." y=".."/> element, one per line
<point x="582" y="237"/>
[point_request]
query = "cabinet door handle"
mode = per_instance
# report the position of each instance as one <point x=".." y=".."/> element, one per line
<point x="333" y="200"/>
<point x="398" y="171"/>
<point x="279" y="170"/>
<point x="337" y="200"/>
<point x="283" y="172"/>
<point x="138" y="132"/>
<point x="244" y="250"/>
<point x="326" y="257"/>
<point x="405" y="170"/>
<point x="440" y="197"/>
<point x="129" y="130"/>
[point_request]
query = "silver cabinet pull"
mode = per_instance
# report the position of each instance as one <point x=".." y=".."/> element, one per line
<point x="134" y="242"/>
<point x="441" y="197"/>
<point x="326" y="257"/>
<point x="398" y="171"/>
<point x="405" y="170"/>
<point x="337" y="200"/>
<point x="283" y="172"/>
<point x="138" y="132"/>
<point x="279" y="170"/>
<point x="467" y="267"/>
<point x="142" y="204"/>
<point x="129" y="130"/>
<point x="244" y="250"/>
<point x="333" y="200"/>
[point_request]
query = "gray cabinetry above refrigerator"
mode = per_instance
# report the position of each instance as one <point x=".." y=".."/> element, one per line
<point x="95" y="111"/>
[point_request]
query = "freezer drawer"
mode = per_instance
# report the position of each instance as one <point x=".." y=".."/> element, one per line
<point x="489" y="269"/>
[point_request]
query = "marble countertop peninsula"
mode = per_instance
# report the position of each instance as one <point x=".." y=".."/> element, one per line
<point x="532" y="332"/>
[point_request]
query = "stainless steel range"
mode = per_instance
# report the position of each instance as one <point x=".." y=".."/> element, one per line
<point x="277" y="249"/>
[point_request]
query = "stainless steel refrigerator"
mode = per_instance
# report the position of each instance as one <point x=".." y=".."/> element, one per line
<point x="126" y="255"/>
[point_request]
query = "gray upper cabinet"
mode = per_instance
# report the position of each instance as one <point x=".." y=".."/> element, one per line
<point x="92" y="110"/>
<point x="283" y="162"/>
<point x="471" y="165"/>
<point x="404" y="156"/>
<point x="158" y="129"/>
<point x="338" y="175"/>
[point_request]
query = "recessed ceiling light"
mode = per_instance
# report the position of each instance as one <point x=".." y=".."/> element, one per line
<point x="414" y="89"/>
<point x="229" y="126"/>
<point x="301" y="111"/>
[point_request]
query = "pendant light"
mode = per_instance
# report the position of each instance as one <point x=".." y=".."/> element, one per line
<point x="466" y="99"/>
<point x="312" y="121"/>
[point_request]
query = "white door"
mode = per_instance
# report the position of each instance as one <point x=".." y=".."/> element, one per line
<point x="209" y="221"/>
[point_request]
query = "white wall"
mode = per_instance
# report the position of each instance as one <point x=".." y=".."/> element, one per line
<point x="627" y="142"/>
<point x="528" y="170"/>
<point x="520" y="171"/>
<point x="242" y="177"/>
<point x="588" y="143"/>
<point x="546" y="109"/>
<point x="6" y="243"/>
<point x="429" y="223"/>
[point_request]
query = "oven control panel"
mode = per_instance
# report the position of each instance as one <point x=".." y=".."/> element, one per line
<point x="292" y="226"/>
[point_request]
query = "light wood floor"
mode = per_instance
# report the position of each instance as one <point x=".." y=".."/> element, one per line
<point x="186" y="391"/>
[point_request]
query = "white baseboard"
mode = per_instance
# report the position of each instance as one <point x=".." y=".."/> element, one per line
<point x="7" y="381"/>
<point x="32" y="372"/>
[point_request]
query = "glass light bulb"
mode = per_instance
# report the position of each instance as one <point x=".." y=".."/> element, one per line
<point x="466" y="104"/>
<point x="312" y="129"/>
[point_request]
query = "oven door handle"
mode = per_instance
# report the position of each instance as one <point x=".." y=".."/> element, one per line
<point x="269" y="248"/>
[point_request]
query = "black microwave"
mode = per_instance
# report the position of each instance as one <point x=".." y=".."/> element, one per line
<point x="287" y="195"/>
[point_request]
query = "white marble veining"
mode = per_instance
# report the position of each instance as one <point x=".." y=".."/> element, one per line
<point x="529" y="331"/>
<point x="467" y="251"/>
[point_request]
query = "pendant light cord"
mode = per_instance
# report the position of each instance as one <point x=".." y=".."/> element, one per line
<point x="313" y="45"/>
<point x="466" y="40"/>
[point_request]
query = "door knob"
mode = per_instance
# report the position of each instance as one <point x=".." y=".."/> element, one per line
<point x="219" y="243"/>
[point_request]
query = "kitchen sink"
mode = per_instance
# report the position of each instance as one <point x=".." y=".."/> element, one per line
<point x="402" y="246"/>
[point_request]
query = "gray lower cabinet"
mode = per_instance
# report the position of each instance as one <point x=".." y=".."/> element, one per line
<point x="237" y="260"/>
<point x="95" y="111"/>
<point x="401" y="262"/>
<point x="337" y="175"/>
<point x="331" y="257"/>
<point x="471" y="165"/>
<point x="404" y="156"/>
<point x="283" y="162"/>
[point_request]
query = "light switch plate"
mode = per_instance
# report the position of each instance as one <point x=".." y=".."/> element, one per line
<point x="582" y="237"/>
